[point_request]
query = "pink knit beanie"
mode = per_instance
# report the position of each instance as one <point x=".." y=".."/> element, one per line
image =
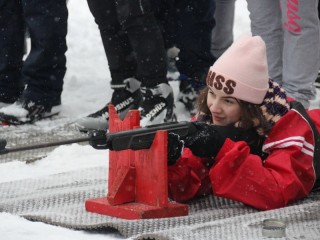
<point x="242" y="71"/>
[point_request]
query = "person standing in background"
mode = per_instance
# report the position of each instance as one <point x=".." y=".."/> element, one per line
<point x="290" y="29"/>
<point x="136" y="36"/>
<point x="136" y="55"/>
<point x="188" y="26"/>
<point x="31" y="90"/>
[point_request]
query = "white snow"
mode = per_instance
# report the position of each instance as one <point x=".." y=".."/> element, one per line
<point x="86" y="88"/>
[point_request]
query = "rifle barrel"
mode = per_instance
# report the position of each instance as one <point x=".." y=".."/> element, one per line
<point x="139" y="138"/>
<point x="43" y="145"/>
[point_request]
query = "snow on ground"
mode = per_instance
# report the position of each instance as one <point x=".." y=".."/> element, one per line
<point x="86" y="89"/>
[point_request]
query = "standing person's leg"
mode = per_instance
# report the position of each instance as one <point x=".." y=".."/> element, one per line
<point x="193" y="27"/>
<point x="11" y="50"/>
<point x="44" y="69"/>
<point x="45" y="66"/>
<point x="146" y="40"/>
<point x="166" y="18"/>
<point x="265" y="19"/>
<point x="194" y="23"/>
<point x="222" y="33"/>
<point x="121" y="62"/>
<point x="135" y="50"/>
<point x="301" y="59"/>
<point x="145" y="37"/>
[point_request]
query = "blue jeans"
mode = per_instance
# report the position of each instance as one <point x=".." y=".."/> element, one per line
<point x="40" y="77"/>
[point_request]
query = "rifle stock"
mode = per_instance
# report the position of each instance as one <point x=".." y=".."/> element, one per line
<point x="142" y="138"/>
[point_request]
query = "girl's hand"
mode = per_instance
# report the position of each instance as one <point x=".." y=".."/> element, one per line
<point x="206" y="142"/>
<point x="175" y="148"/>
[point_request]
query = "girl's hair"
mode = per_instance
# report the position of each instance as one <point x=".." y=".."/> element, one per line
<point x="251" y="114"/>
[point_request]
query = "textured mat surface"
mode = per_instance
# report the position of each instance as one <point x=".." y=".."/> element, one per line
<point x="59" y="200"/>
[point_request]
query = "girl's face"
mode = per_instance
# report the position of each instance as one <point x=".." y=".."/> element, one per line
<point x="224" y="110"/>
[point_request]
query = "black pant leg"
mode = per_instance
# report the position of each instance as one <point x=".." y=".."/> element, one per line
<point x="139" y="23"/>
<point x="11" y="49"/>
<point x="121" y="60"/>
<point x="45" y="66"/>
<point x="194" y="23"/>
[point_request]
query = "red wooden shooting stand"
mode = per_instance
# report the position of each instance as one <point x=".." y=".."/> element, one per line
<point x="138" y="183"/>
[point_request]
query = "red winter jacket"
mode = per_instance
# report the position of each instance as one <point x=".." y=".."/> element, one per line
<point x="285" y="176"/>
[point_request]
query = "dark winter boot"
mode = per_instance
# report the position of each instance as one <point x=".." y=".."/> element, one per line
<point x="124" y="98"/>
<point x="25" y="111"/>
<point x="158" y="105"/>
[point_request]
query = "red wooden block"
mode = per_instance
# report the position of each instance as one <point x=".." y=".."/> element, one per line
<point x="125" y="158"/>
<point x="135" y="210"/>
<point x="123" y="188"/>
<point x="138" y="183"/>
<point x="151" y="172"/>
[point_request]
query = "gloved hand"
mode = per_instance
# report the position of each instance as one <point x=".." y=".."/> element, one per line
<point x="250" y="136"/>
<point x="175" y="148"/>
<point x="206" y="141"/>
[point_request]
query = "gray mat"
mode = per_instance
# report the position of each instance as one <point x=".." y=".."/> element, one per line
<point x="59" y="200"/>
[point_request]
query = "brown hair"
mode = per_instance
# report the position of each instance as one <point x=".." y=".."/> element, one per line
<point x="251" y="114"/>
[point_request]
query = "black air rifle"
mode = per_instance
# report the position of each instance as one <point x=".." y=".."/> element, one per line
<point x="135" y="139"/>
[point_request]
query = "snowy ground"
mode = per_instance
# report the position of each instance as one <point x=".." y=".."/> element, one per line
<point x="86" y="89"/>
